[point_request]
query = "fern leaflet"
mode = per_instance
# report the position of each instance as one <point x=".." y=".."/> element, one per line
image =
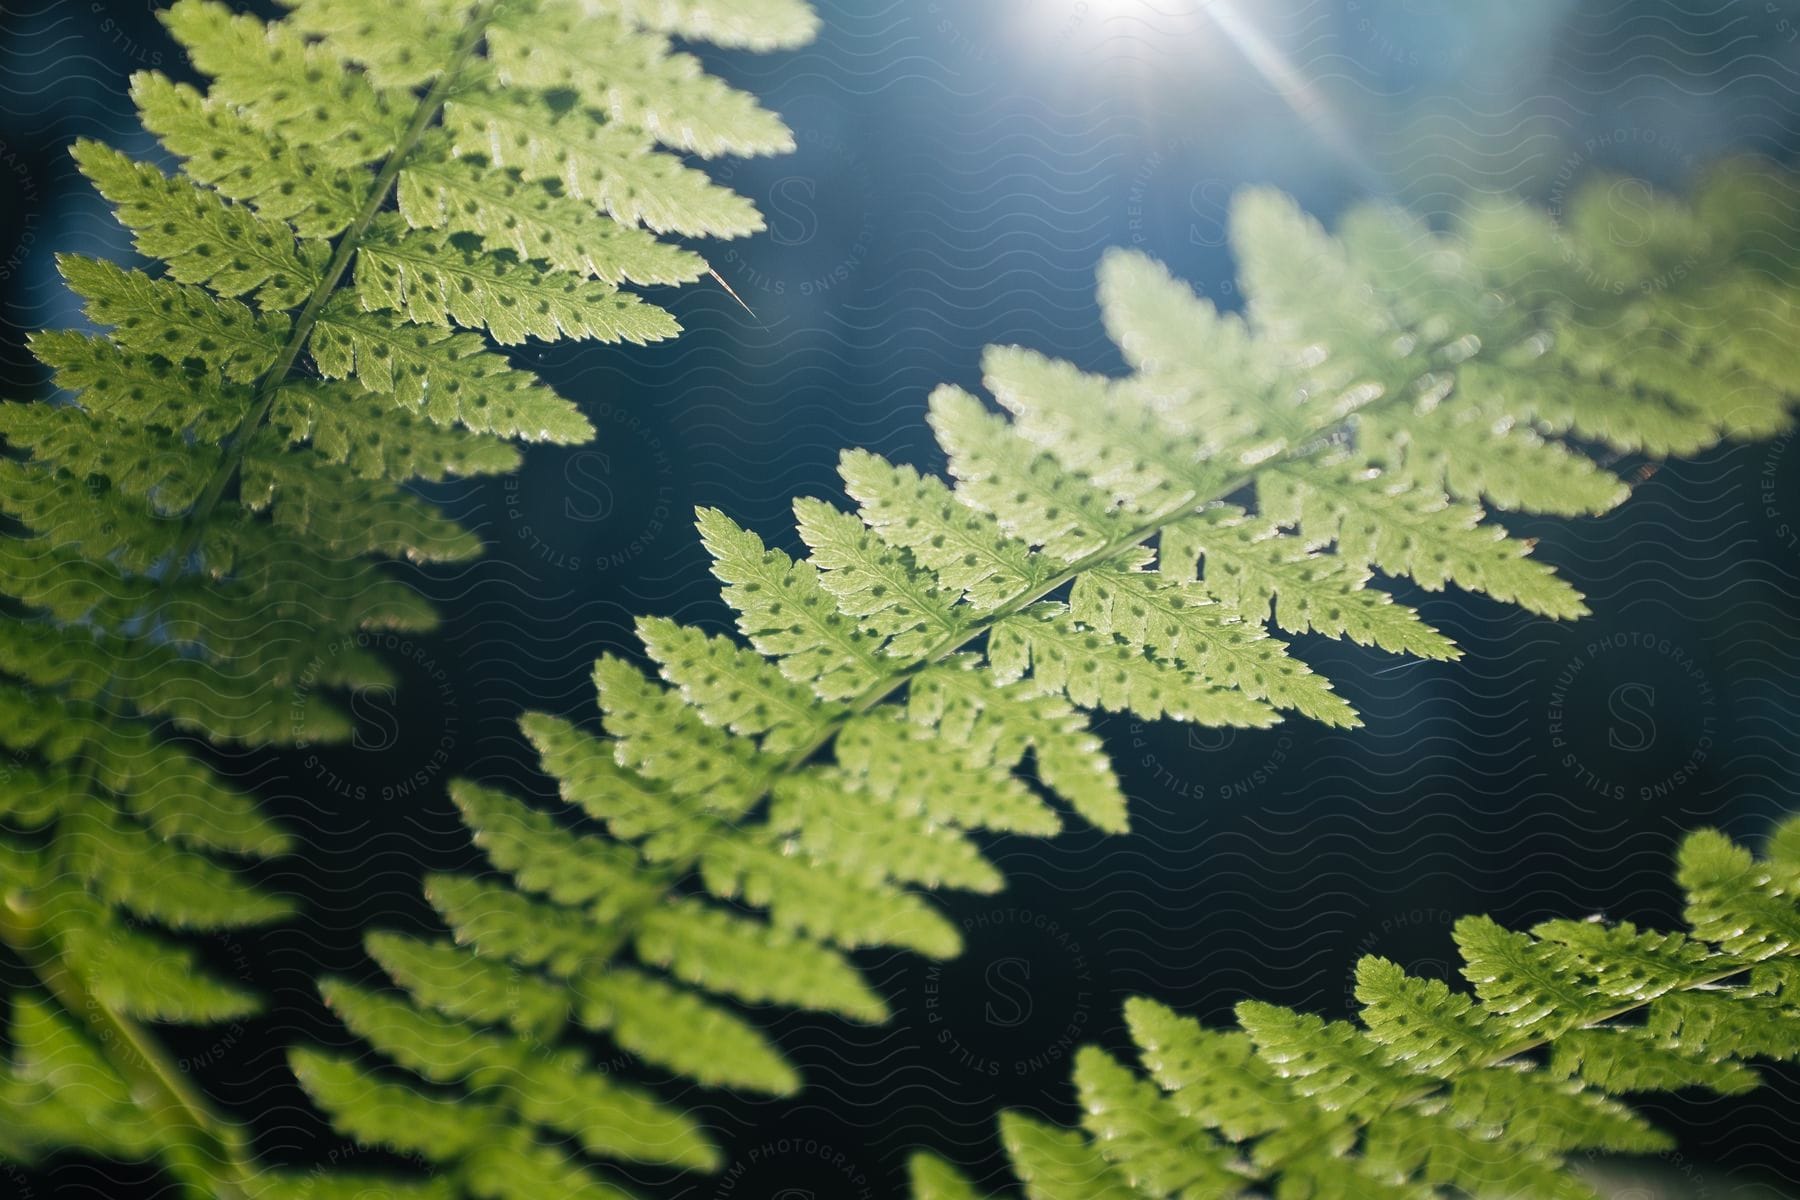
<point x="1437" y="1091"/>
<point x="194" y="516"/>
<point x="772" y="802"/>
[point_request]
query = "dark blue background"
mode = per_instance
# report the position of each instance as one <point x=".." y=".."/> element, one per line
<point x="961" y="168"/>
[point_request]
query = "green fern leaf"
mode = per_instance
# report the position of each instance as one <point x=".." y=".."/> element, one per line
<point x="611" y="166"/>
<point x="1414" y="534"/>
<point x="347" y="426"/>
<point x="244" y="162"/>
<point x="787" y="614"/>
<point x="285" y="85"/>
<point x="178" y="321"/>
<point x="537" y="223"/>
<point x="681" y="1032"/>
<point x="1478" y="456"/>
<point x="59" y="1091"/>
<point x="278" y="1185"/>
<point x="435" y="282"/>
<point x="134" y="973"/>
<point x="189" y="546"/>
<point x="397" y="1116"/>
<point x="964" y="549"/>
<point x="1057" y="513"/>
<point x="710" y="948"/>
<point x="1558" y="1116"/>
<point x="895" y="685"/>
<point x="1130" y="443"/>
<point x="1253" y="568"/>
<point x="1181" y="622"/>
<point x="732" y="687"/>
<point x="895" y="760"/>
<point x="557" y="1091"/>
<point x="448" y="979"/>
<point x="450" y="377"/>
<point x="1736" y="902"/>
<point x="666" y="744"/>
<point x="131" y="867"/>
<point x="1435" y="1089"/>
<point x="883" y="844"/>
<point x="1140" y="1132"/>
<point x="520" y="840"/>
<point x="1434" y="1029"/>
<point x="1330" y="1062"/>
<point x="1626" y="1060"/>
<point x="813" y="899"/>
<point x="968" y="709"/>
<point x="520" y="1170"/>
<point x="134" y="390"/>
<point x="934" y="1179"/>
<point x="747" y="24"/>
<point x="591" y="777"/>
<point x="1060" y="1165"/>
<point x="641" y="84"/>
<point x="203" y="238"/>
<point x="878" y="584"/>
<point x="399" y="43"/>
<point x="1099" y="669"/>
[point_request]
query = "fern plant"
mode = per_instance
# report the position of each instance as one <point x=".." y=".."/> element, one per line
<point x="371" y="194"/>
<point x="770" y="805"/>
<point x="1436" y="1090"/>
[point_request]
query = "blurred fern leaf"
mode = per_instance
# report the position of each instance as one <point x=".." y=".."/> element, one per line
<point x="190" y="520"/>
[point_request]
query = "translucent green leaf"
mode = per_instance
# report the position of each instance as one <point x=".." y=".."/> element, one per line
<point x="536" y="221"/>
<point x="641" y="83"/>
<point x="436" y="282"/>
<point x="787" y="614"/>
<point x="248" y="163"/>
<point x="176" y="320"/>
<point x="609" y="165"/>
<point x="201" y="237"/>
<point x="285" y="85"/>
<point x="1059" y="1164"/>
<point x="1103" y="670"/>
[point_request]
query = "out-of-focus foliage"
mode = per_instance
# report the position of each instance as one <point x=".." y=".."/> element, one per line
<point x="371" y="193"/>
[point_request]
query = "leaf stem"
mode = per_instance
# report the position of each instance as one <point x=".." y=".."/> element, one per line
<point x="269" y="385"/>
<point x="214" y="1152"/>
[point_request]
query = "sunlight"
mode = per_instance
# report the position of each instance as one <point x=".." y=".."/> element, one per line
<point x="1296" y="91"/>
<point x="1105" y="30"/>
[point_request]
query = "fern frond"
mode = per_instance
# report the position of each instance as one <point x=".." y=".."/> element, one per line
<point x="918" y="674"/>
<point x="631" y="76"/>
<point x="202" y="237"/>
<point x="1436" y="1090"/>
<point x="749" y="24"/>
<point x="1252" y="567"/>
<point x="245" y="163"/>
<point x="193" y="520"/>
<point x="291" y="87"/>
<point x="434" y="282"/>
<point x="612" y="167"/>
<point x="536" y="222"/>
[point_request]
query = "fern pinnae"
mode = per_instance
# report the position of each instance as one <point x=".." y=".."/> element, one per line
<point x="1436" y="1090"/>
<point x="1119" y="544"/>
<point x="197" y="523"/>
